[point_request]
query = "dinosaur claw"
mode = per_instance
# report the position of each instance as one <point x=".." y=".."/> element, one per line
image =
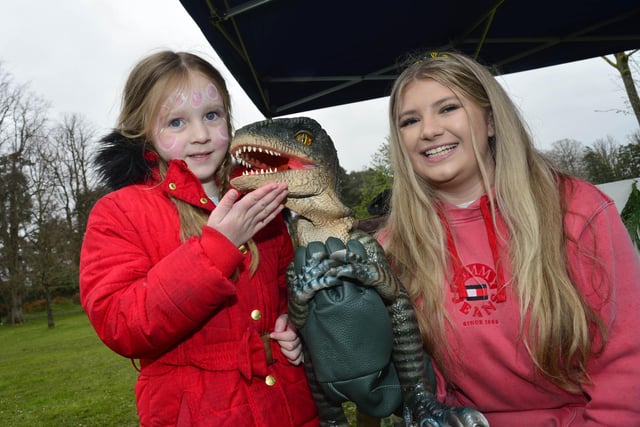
<point x="456" y="417"/>
<point x="430" y="422"/>
<point x="339" y="255"/>
<point x="333" y="244"/>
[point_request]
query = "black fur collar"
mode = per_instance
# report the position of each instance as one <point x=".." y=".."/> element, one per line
<point x="121" y="161"/>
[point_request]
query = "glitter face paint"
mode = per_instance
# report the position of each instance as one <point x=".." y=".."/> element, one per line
<point x="192" y="126"/>
<point x="196" y="98"/>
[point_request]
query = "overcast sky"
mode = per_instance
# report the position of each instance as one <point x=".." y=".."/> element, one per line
<point x="76" y="54"/>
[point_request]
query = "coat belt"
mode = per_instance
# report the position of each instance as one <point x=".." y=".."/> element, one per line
<point x="254" y="354"/>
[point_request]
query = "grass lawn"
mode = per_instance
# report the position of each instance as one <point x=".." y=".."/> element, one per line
<point x="67" y="377"/>
<point x="63" y="376"/>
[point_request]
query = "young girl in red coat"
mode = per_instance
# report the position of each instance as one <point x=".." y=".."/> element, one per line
<point x="525" y="280"/>
<point x="179" y="271"/>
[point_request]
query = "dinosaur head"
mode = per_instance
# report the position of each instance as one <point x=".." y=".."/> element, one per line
<point x="292" y="150"/>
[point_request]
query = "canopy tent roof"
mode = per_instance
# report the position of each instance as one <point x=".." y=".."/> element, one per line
<point x="292" y="56"/>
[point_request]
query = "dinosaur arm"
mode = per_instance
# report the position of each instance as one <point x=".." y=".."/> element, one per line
<point x="362" y="259"/>
<point x="307" y="275"/>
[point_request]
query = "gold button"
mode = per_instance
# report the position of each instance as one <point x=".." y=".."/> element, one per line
<point x="270" y="380"/>
<point x="172" y="186"/>
<point x="256" y="315"/>
<point x="204" y="200"/>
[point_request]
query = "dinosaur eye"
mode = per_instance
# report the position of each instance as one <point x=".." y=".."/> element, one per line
<point x="304" y="137"/>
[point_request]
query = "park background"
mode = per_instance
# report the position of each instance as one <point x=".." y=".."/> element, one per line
<point x="60" y="80"/>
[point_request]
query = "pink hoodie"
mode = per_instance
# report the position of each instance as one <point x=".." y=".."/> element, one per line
<point x="496" y="374"/>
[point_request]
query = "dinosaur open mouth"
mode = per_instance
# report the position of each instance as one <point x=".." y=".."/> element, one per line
<point x="259" y="160"/>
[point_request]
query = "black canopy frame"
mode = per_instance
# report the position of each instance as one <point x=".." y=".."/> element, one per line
<point x="292" y="56"/>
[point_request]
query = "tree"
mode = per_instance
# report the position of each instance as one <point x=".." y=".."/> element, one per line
<point x="631" y="214"/>
<point x="621" y="63"/>
<point x="14" y="212"/>
<point x="71" y="174"/>
<point x="567" y="154"/>
<point x="46" y="193"/>
<point x="601" y="161"/>
<point x="37" y="250"/>
<point x="362" y="184"/>
<point x="359" y="188"/>
<point x="381" y="161"/>
<point x="22" y="123"/>
<point x="629" y="159"/>
<point x="348" y="187"/>
<point x="379" y="180"/>
<point x="61" y="197"/>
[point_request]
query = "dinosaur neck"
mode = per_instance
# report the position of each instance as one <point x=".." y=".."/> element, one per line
<point x="309" y="232"/>
<point x="321" y="217"/>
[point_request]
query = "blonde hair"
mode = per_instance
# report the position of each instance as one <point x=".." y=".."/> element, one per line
<point x="147" y="88"/>
<point x="527" y="189"/>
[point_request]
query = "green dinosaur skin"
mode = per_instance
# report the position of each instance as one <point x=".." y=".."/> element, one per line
<point x="298" y="151"/>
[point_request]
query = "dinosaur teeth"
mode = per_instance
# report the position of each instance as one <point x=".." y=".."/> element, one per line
<point x="240" y="151"/>
<point x="248" y="172"/>
<point x="259" y="171"/>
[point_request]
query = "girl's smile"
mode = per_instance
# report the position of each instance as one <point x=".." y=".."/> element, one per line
<point x="438" y="128"/>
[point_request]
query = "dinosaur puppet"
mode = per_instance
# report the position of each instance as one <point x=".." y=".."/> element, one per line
<point x="298" y="151"/>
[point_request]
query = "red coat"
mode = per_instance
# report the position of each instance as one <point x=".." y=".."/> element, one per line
<point x="174" y="306"/>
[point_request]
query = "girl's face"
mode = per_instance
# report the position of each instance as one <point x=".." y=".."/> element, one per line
<point x="192" y="126"/>
<point x="435" y="128"/>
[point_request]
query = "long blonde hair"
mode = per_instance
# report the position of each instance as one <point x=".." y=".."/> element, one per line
<point x="559" y="335"/>
<point x="149" y="84"/>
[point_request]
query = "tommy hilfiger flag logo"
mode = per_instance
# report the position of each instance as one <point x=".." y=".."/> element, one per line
<point x="477" y="292"/>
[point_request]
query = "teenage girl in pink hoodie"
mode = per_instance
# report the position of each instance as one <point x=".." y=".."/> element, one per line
<point x="526" y="282"/>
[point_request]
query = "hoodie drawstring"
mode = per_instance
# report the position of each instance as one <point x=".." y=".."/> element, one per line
<point x="501" y="295"/>
<point x="458" y="280"/>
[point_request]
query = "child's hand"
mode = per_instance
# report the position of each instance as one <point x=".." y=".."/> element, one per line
<point x="288" y="339"/>
<point x="240" y="219"/>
